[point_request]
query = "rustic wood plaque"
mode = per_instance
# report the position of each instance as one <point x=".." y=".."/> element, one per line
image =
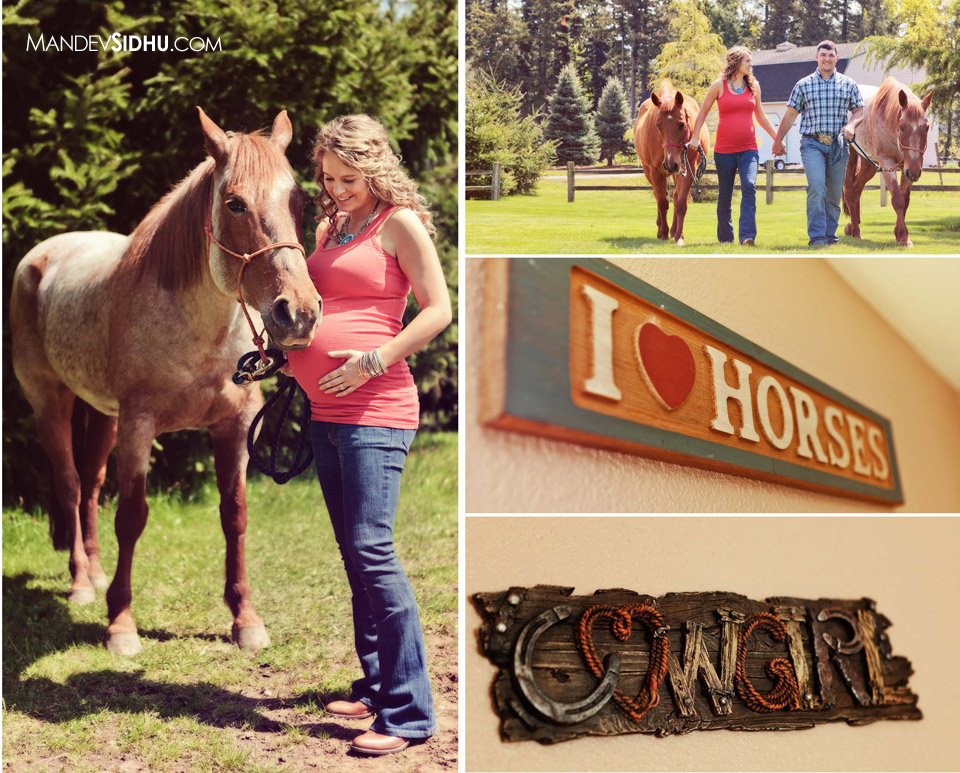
<point x="621" y="662"/>
<point x="582" y="351"/>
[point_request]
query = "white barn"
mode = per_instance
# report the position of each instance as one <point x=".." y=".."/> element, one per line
<point x="777" y="70"/>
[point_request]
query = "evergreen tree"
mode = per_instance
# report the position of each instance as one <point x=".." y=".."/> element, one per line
<point x="496" y="131"/>
<point x="570" y="122"/>
<point x="694" y="55"/>
<point x="612" y="121"/>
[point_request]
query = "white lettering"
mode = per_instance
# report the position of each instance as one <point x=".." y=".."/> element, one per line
<point x="763" y="408"/>
<point x="602" y="307"/>
<point x="807" y="425"/>
<point x="831" y="416"/>
<point x="856" y="440"/>
<point x="117" y="41"/>
<point x="37" y="44"/>
<point x="723" y="392"/>
<point x="880" y="468"/>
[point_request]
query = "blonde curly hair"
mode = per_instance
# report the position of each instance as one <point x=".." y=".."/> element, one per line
<point x="362" y="143"/>
<point x="732" y="64"/>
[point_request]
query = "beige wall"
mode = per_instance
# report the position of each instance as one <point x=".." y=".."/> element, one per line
<point x="800" y="310"/>
<point x="908" y="565"/>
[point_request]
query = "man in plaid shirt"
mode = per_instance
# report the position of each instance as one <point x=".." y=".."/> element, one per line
<point x="824" y="98"/>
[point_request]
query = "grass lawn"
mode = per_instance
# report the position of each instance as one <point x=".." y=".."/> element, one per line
<point x="606" y="222"/>
<point x="191" y="700"/>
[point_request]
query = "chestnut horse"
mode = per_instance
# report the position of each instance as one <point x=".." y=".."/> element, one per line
<point x="146" y="330"/>
<point x="893" y="133"/>
<point x="663" y="128"/>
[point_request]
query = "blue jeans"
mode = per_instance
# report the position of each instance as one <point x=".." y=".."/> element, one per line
<point x="746" y="162"/>
<point x="359" y="470"/>
<point x="825" y="167"/>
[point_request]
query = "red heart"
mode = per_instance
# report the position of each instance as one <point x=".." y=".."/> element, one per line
<point x="666" y="364"/>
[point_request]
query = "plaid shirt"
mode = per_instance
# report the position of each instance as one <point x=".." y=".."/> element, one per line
<point x="824" y="103"/>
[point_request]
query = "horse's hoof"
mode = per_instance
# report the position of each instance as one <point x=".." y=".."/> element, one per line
<point x="251" y="637"/>
<point x="123" y="643"/>
<point x="82" y="596"/>
<point x="680" y="242"/>
<point x="99" y="581"/>
<point x="907" y="243"/>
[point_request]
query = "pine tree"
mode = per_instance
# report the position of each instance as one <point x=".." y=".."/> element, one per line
<point x="570" y="122"/>
<point x="612" y="120"/>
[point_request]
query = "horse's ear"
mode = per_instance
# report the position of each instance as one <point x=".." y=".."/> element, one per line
<point x="282" y="131"/>
<point x="903" y="98"/>
<point x="655" y="99"/>
<point x="678" y="100"/>
<point x="926" y="100"/>
<point x="214" y="138"/>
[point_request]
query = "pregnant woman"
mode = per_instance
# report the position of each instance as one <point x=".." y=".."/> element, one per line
<point x="373" y="246"/>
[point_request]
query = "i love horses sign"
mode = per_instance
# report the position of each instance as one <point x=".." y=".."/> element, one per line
<point x="580" y="350"/>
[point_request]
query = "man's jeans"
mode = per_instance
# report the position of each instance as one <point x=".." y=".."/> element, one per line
<point x="746" y="162"/>
<point x="825" y="167"/>
<point x="359" y="470"/>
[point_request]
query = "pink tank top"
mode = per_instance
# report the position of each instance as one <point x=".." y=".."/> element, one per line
<point x="735" y="131"/>
<point x="364" y="294"/>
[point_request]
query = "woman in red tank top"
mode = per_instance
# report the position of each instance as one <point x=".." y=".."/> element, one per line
<point x="373" y="246"/>
<point x="737" y="95"/>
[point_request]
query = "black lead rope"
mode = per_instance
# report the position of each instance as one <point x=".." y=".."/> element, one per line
<point x="701" y="167"/>
<point x="251" y="368"/>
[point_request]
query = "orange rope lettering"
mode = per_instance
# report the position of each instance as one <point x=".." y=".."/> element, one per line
<point x="785" y="693"/>
<point x="621" y="625"/>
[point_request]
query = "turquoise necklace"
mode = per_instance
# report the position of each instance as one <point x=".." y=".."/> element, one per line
<point x="343" y="237"/>
<point x="736" y="90"/>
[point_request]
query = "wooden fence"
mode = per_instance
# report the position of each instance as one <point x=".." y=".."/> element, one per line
<point x="768" y="184"/>
<point x="493" y="187"/>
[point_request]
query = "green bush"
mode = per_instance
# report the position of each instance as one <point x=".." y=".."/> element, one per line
<point x="495" y="131"/>
<point x="92" y="141"/>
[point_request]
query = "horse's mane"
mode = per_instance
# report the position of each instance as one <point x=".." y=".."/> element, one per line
<point x="169" y="245"/>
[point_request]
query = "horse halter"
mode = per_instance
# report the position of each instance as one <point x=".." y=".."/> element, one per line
<point x="683" y="150"/>
<point x="246" y="257"/>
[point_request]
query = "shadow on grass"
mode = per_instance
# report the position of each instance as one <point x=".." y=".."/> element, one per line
<point x="37" y="623"/>
<point x="92" y="693"/>
<point x="637" y="244"/>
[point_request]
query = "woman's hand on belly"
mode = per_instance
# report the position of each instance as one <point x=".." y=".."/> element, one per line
<point x="341" y="381"/>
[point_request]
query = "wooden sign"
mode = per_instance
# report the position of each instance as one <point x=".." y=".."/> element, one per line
<point x="620" y="662"/>
<point x="582" y="351"/>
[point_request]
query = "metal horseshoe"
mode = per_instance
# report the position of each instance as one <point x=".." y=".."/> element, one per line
<point x="562" y="713"/>
<point x="843" y="648"/>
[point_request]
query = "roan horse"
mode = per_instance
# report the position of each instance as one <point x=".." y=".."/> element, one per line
<point x="893" y="133"/>
<point x="663" y="128"/>
<point x="146" y="330"/>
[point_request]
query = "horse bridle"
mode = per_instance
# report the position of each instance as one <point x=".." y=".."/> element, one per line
<point x="685" y="165"/>
<point x="683" y="151"/>
<point x="245" y="259"/>
<point x="900" y="146"/>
